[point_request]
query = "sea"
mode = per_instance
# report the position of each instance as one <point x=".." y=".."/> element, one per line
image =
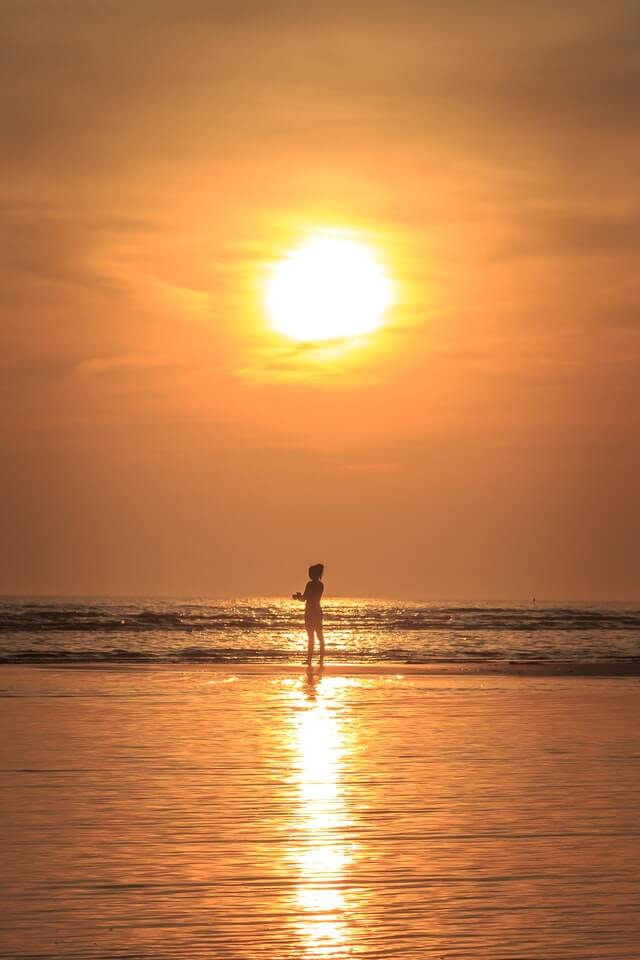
<point x="87" y="630"/>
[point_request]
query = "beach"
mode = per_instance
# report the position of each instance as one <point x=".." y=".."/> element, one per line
<point x="319" y="340"/>
<point x="246" y="811"/>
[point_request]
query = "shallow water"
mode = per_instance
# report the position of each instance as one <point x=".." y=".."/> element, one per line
<point x="151" y="813"/>
<point x="268" y="630"/>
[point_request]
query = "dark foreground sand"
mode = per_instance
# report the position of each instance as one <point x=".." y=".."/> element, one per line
<point x="377" y="812"/>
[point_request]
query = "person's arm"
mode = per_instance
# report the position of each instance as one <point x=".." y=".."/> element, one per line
<point x="303" y="597"/>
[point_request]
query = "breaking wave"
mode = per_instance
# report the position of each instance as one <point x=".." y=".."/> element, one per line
<point x="88" y="630"/>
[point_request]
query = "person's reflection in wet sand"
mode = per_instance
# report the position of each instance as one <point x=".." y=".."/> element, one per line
<point x="312" y="682"/>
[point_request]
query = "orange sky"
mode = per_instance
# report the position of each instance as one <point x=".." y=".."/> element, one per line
<point x="158" y="437"/>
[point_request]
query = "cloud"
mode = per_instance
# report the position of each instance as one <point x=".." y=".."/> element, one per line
<point x="124" y="363"/>
<point x="372" y="467"/>
<point x="178" y="76"/>
<point x="574" y="233"/>
<point x="55" y="248"/>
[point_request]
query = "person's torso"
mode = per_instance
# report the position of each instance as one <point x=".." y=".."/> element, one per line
<point x="313" y="592"/>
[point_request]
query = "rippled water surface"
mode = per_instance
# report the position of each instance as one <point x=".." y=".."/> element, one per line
<point x="271" y="630"/>
<point x="201" y="812"/>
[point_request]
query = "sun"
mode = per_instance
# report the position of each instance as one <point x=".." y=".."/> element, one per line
<point x="328" y="287"/>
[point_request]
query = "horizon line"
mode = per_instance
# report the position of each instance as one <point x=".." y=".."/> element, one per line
<point x="253" y="597"/>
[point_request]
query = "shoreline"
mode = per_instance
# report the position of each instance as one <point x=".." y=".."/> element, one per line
<point x="437" y="668"/>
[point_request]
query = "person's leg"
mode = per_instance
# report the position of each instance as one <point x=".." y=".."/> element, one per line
<point x="320" y="633"/>
<point x="309" y="645"/>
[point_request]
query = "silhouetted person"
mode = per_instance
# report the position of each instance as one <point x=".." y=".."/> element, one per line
<point x="313" y="610"/>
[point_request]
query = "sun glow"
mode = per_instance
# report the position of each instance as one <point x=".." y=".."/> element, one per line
<point x="327" y="288"/>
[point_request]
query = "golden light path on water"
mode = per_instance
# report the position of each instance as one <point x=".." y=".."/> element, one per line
<point x="322" y="819"/>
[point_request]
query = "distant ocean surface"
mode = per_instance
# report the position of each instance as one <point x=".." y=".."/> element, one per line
<point x="268" y="630"/>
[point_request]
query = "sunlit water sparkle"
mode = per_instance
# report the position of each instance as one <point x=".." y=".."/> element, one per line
<point x="268" y="630"/>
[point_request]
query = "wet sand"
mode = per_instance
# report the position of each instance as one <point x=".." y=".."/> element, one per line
<point x="243" y="811"/>
<point x="433" y="668"/>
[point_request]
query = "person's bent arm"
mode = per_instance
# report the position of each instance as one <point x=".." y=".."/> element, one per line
<point x="303" y="596"/>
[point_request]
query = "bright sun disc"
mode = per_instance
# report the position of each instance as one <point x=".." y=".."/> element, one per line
<point x="328" y="287"/>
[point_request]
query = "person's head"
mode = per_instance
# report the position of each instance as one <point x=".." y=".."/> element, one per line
<point x="316" y="571"/>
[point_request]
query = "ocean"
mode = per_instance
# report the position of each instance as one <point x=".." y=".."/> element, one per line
<point x="271" y="630"/>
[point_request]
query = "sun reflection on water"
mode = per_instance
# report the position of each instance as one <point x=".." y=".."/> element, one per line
<point x="322" y="854"/>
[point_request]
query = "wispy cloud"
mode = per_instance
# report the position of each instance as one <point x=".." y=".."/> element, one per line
<point x="125" y="363"/>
